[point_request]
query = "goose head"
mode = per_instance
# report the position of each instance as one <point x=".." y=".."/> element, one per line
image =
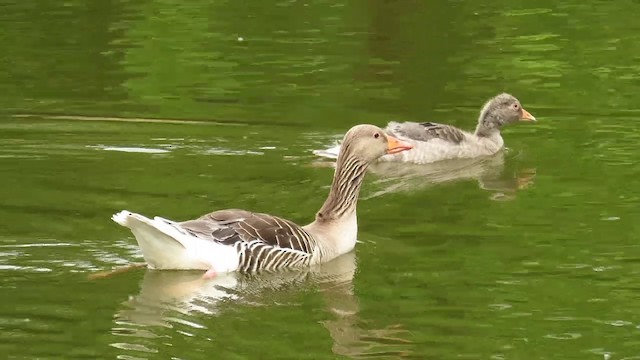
<point x="335" y="227"/>
<point x="368" y="142"/>
<point x="501" y="110"/>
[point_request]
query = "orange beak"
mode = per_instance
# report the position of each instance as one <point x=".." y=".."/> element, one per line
<point x="526" y="116"/>
<point x="395" y="146"/>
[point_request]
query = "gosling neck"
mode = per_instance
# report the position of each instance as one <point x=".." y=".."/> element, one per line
<point x="488" y="124"/>
<point x="487" y="130"/>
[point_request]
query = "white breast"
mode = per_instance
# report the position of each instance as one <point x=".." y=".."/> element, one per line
<point x="335" y="238"/>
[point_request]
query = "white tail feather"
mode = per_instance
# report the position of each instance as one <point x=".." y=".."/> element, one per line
<point x="165" y="245"/>
<point x="331" y="153"/>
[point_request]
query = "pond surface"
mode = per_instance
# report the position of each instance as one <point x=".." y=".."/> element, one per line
<point x="179" y="108"/>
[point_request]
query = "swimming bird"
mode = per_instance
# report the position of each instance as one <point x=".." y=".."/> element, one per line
<point x="435" y="142"/>
<point x="240" y="240"/>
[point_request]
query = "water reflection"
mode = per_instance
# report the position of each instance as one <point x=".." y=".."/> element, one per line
<point x="164" y="293"/>
<point x="490" y="173"/>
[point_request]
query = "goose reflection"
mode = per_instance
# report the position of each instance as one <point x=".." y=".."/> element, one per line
<point x="490" y="173"/>
<point x="165" y="292"/>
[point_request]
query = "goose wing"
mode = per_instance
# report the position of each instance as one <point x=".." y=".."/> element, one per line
<point x="263" y="241"/>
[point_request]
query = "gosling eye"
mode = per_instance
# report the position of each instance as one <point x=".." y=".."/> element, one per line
<point x="376" y="135"/>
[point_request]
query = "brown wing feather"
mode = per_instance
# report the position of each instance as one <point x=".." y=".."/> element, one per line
<point x="427" y="131"/>
<point x="231" y="226"/>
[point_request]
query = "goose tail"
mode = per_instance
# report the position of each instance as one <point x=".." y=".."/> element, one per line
<point x="163" y="243"/>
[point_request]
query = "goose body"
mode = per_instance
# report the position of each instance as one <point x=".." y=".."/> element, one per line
<point x="435" y="142"/>
<point x="240" y="240"/>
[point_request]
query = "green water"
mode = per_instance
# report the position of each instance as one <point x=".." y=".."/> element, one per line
<point x="532" y="254"/>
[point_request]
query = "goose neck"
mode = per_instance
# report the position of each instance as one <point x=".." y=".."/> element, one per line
<point x="345" y="188"/>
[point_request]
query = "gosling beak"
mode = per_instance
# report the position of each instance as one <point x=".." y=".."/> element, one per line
<point x="395" y="146"/>
<point x="526" y="116"/>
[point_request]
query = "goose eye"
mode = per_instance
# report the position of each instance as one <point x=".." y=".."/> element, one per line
<point x="376" y="135"/>
<point x="515" y="106"/>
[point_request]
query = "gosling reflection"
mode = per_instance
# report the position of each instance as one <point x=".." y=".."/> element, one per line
<point x="165" y="292"/>
<point x="490" y="173"/>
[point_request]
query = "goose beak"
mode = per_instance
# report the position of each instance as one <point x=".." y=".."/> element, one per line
<point x="526" y="116"/>
<point x="395" y="146"/>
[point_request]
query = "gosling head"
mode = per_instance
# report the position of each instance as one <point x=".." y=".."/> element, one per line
<point x="502" y="110"/>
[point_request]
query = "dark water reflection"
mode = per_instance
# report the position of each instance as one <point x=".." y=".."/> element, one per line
<point x="179" y="299"/>
<point x="489" y="173"/>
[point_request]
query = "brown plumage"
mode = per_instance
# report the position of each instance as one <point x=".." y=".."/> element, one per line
<point x="241" y="240"/>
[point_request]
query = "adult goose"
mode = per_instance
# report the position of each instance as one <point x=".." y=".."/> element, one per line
<point x="434" y="142"/>
<point x="240" y="240"/>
